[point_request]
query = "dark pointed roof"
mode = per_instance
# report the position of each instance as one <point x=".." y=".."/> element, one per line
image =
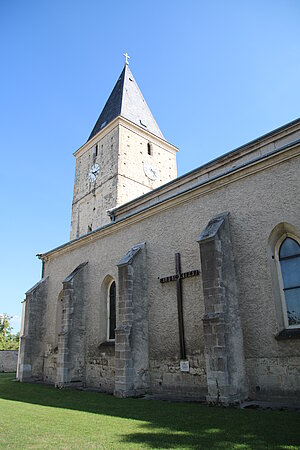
<point x="126" y="100"/>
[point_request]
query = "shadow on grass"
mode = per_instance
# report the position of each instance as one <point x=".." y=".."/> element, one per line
<point x="170" y="425"/>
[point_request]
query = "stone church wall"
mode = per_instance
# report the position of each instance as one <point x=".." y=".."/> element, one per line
<point x="50" y="365"/>
<point x="168" y="381"/>
<point x="90" y="201"/>
<point x="275" y="377"/>
<point x="32" y="340"/>
<point x="133" y="154"/>
<point x="271" y="366"/>
<point x="100" y="369"/>
<point x="121" y="156"/>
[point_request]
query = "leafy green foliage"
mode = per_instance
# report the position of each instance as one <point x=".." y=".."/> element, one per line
<point x="8" y="340"/>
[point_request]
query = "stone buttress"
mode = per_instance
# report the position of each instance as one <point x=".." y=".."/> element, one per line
<point x="132" y="354"/>
<point x="223" y="338"/>
<point x="71" y="339"/>
<point x="31" y="346"/>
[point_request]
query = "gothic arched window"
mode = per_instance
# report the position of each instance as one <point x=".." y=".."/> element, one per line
<point x="289" y="260"/>
<point x="111" y="311"/>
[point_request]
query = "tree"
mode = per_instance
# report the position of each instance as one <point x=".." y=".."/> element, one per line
<point x="8" y="340"/>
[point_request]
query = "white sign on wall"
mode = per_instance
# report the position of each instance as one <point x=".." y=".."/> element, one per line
<point x="184" y="366"/>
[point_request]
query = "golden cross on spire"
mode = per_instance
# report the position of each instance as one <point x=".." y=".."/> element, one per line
<point x="126" y="58"/>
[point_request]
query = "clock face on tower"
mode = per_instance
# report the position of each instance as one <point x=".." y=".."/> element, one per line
<point x="150" y="171"/>
<point x="93" y="173"/>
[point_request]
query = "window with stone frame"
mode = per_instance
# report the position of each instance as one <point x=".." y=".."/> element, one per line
<point x="288" y="258"/>
<point x="111" y="311"/>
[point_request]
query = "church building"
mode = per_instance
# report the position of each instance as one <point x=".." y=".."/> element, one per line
<point x="172" y="286"/>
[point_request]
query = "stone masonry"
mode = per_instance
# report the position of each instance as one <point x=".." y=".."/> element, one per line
<point x="31" y="347"/>
<point x="71" y="339"/>
<point x="224" y="353"/>
<point x="131" y="357"/>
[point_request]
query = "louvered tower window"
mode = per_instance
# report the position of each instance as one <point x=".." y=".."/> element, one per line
<point x="150" y="149"/>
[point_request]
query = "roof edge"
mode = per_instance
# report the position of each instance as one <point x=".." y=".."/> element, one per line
<point x="93" y="234"/>
<point x="111" y="125"/>
<point x="213" y="161"/>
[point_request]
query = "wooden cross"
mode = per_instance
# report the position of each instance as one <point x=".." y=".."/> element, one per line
<point x="126" y="58"/>
<point x="178" y="278"/>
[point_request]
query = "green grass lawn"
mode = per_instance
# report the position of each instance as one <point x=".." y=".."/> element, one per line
<point x="42" y="417"/>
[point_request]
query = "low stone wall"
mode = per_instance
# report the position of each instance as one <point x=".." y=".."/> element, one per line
<point x="8" y="360"/>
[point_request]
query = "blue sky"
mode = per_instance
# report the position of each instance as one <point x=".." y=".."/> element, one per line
<point x="216" y="74"/>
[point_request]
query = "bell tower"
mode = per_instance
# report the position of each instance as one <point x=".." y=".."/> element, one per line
<point x="125" y="156"/>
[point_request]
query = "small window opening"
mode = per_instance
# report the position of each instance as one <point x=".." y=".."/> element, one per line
<point x="90" y="228"/>
<point x="150" y="149"/>
<point x="95" y="151"/>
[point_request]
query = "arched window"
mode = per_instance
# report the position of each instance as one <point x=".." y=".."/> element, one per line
<point x="111" y="311"/>
<point x="289" y="262"/>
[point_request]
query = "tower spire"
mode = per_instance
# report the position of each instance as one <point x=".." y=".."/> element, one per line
<point x="126" y="100"/>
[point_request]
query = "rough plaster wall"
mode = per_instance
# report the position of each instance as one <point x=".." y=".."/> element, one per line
<point x="8" y="360"/>
<point x="257" y="204"/>
<point x="222" y="165"/>
<point x="133" y="154"/>
<point x="129" y="189"/>
<point x="100" y="195"/>
<point x="163" y="316"/>
<point x="102" y="261"/>
<point x="92" y="209"/>
<point x="121" y="155"/>
<point x="270" y="200"/>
